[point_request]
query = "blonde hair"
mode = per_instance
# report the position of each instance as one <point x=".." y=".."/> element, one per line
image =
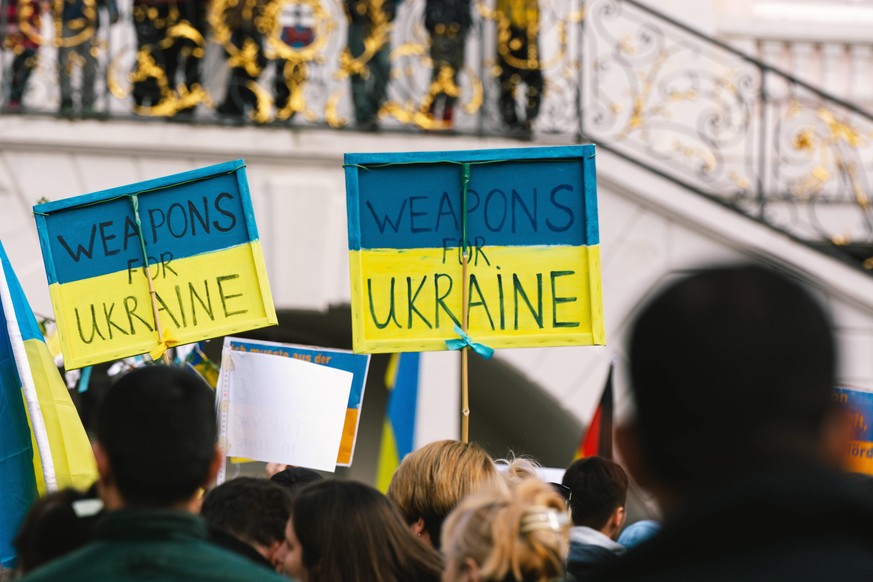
<point x="432" y="480"/>
<point x="518" y="533"/>
<point x="518" y="469"/>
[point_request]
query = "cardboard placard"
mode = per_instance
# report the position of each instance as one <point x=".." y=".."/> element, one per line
<point x="531" y="229"/>
<point x="357" y="364"/>
<point x="281" y="410"/>
<point x="195" y="230"/>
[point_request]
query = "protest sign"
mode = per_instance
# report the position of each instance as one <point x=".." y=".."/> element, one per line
<point x="527" y="219"/>
<point x="279" y="409"/>
<point x="205" y="274"/>
<point x="357" y="364"/>
<point x="860" y="454"/>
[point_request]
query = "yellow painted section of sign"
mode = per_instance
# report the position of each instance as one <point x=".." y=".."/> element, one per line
<point x="200" y="297"/>
<point x="411" y="299"/>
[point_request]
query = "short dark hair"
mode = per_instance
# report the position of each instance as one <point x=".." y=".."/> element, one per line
<point x="730" y="365"/>
<point x="157" y="426"/>
<point x="251" y="510"/>
<point x="598" y="487"/>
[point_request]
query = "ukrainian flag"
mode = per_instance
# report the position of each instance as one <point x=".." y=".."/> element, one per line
<point x="152" y="265"/>
<point x="398" y="428"/>
<point x="528" y="220"/>
<point x="43" y="446"/>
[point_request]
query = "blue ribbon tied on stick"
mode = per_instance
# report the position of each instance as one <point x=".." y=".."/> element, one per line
<point x="466" y="341"/>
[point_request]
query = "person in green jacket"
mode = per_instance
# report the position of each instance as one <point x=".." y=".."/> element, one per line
<point x="155" y="449"/>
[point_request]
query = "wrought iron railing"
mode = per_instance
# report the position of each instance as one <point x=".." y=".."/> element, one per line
<point x="615" y="72"/>
<point x="288" y="61"/>
<point x="728" y="126"/>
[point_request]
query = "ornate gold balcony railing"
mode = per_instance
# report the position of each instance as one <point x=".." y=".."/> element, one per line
<point x="728" y="126"/>
<point x="615" y="72"/>
<point x="289" y="61"/>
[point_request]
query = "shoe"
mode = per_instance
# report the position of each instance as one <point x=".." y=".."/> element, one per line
<point x="66" y="108"/>
<point x="12" y="106"/>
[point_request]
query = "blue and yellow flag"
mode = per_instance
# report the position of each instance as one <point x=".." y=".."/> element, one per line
<point x="398" y="428"/>
<point x="28" y="376"/>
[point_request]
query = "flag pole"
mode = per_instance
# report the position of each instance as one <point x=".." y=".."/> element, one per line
<point x="28" y="388"/>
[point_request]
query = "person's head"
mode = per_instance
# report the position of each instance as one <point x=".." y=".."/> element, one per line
<point x="514" y="470"/>
<point x="432" y="480"/>
<point x="55" y="525"/>
<point x="156" y="436"/>
<point x="507" y="535"/>
<point x="730" y="367"/>
<point x="344" y="530"/>
<point x="598" y="494"/>
<point x="293" y="479"/>
<point x="254" y="511"/>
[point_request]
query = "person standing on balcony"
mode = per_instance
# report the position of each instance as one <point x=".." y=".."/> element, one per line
<point x="170" y="39"/>
<point x="447" y="22"/>
<point x="367" y="56"/>
<point x="78" y="43"/>
<point x="518" y="23"/>
<point x="19" y="33"/>
<point x="246" y="57"/>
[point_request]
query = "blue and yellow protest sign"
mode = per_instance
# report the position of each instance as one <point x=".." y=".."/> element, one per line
<point x="357" y="364"/>
<point x="151" y="265"/>
<point x="860" y="403"/>
<point x="526" y="220"/>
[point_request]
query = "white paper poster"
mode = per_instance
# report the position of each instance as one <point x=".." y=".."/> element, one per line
<point x="282" y="410"/>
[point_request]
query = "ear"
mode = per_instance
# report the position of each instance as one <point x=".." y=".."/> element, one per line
<point x="616" y="521"/>
<point x="618" y="517"/>
<point x="104" y="470"/>
<point x="106" y="483"/>
<point x="275" y="555"/>
<point x="419" y="529"/>
<point x="214" y="466"/>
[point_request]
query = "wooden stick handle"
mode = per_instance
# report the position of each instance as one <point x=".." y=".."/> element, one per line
<point x="465" y="385"/>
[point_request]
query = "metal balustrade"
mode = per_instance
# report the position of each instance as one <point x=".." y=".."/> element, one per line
<point x="686" y="106"/>
<point x="166" y="57"/>
<point x="728" y="126"/>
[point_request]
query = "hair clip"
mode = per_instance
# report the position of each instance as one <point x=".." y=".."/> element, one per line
<point x="539" y="517"/>
<point x="87" y="507"/>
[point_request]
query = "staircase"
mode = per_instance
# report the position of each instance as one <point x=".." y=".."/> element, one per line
<point x="729" y="127"/>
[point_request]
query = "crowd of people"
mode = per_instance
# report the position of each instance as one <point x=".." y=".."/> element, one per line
<point x="171" y="39"/>
<point x="734" y="434"/>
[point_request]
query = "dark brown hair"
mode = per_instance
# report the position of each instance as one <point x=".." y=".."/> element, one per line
<point x="349" y="531"/>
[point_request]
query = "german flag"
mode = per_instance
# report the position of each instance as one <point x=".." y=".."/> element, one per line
<point x="597" y="440"/>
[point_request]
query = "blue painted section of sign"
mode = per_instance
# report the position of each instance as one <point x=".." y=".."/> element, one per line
<point x="183" y="215"/>
<point x="523" y="197"/>
<point x="357" y="364"/>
